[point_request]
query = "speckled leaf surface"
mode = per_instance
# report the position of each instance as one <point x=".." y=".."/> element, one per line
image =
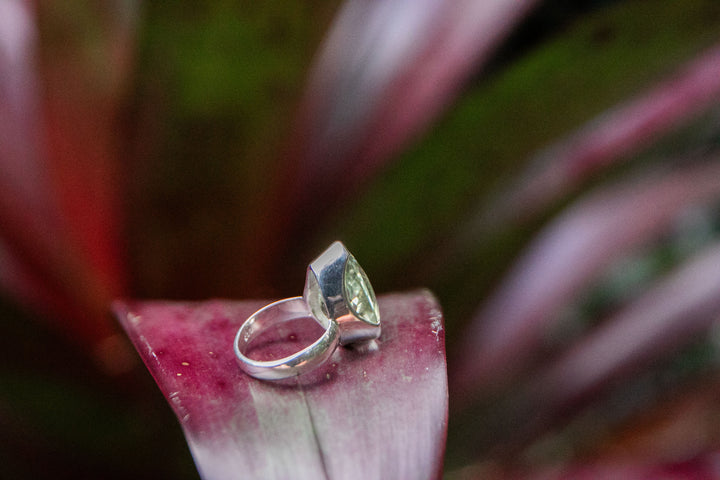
<point x="377" y="413"/>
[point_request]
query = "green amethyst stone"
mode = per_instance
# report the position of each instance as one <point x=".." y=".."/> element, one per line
<point x="359" y="293"/>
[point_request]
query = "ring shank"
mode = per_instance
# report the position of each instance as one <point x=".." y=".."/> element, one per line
<point x="301" y="362"/>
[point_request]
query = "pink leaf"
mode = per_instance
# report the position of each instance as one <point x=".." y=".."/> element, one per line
<point x="609" y="138"/>
<point x="59" y="181"/>
<point x="565" y="258"/>
<point x="663" y="319"/>
<point x="19" y="139"/>
<point x="25" y="201"/>
<point x="81" y="105"/>
<point x="37" y="264"/>
<point x="380" y="413"/>
<point x="386" y="70"/>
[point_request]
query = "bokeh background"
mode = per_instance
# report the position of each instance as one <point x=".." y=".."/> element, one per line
<point x="160" y="150"/>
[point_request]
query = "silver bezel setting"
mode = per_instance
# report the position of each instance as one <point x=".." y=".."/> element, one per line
<point x="327" y="300"/>
<point x="326" y="295"/>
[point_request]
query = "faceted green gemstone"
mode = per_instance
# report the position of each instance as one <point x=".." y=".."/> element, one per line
<point x="314" y="298"/>
<point x="359" y="293"/>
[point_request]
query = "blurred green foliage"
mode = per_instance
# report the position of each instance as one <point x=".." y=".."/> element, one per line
<point x="598" y="61"/>
<point x="211" y="105"/>
<point x="217" y="86"/>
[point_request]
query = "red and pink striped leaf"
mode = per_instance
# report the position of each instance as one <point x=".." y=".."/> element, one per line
<point x="60" y="178"/>
<point x="385" y="72"/>
<point x="81" y="106"/>
<point x="379" y="413"/>
<point x="566" y="257"/>
<point x="663" y="319"/>
<point x="611" y="137"/>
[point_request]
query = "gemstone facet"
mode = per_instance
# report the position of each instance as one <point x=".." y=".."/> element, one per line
<point x="314" y="298"/>
<point x="359" y="293"/>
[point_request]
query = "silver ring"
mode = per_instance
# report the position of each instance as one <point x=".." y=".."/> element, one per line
<point x="337" y="294"/>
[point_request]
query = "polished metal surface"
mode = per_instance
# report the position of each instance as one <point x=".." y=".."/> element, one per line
<point x="337" y="294"/>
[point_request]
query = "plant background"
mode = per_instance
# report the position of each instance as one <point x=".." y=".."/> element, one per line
<point x="199" y="122"/>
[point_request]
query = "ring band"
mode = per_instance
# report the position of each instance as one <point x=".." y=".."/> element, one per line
<point x="303" y="361"/>
<point x="337" y="295"/>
